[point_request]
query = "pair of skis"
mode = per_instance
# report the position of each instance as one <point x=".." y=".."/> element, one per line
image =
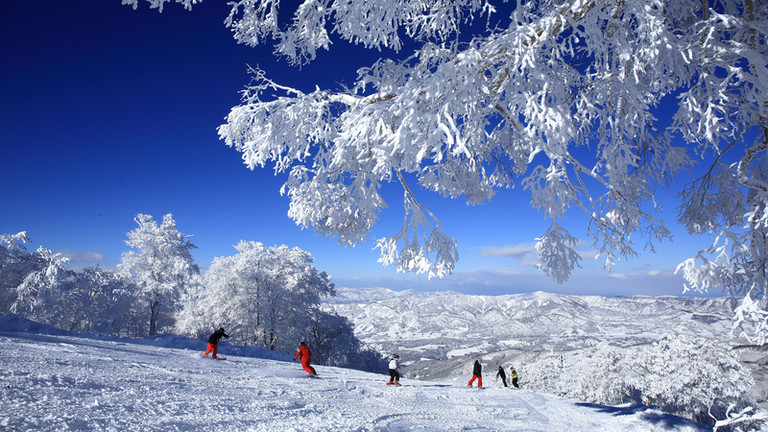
<point x="215" y="358"/>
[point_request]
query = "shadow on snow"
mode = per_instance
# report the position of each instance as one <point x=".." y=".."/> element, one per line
<point x="667" y="421"/>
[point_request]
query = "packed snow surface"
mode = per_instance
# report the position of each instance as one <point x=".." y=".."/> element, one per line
<point x="54" y="381"/>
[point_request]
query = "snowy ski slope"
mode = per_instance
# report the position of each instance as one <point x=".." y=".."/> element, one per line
<point x="55" y="381"/>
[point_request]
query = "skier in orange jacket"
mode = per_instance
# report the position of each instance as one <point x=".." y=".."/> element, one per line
<point x="305" y="354"/>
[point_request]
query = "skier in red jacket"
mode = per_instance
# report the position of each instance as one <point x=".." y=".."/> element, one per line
<point x="305" y="354"/>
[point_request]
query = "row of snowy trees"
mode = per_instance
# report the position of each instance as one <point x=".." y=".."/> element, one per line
<point x="38" y="286"/>
<point x="693" y="377"/>
<point x="265" y="296"/>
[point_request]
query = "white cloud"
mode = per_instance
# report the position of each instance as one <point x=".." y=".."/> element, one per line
<point x="520" y="251"/>
<point x="82" y="258"/>
<point x="527" y="254"/>
<point x="517" y="280"/>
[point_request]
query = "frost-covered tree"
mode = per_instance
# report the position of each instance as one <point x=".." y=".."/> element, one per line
<point x="264" y="295"/>
<point x="40" y="297"/>
<point x="15" y="265"/>
<point x="683" y="373"/>
<point x="99" y="301"/>
<point x="93" y="300"/>
<point x="293" y="288"/>
<point x="38" y="286"/>
<point x="231" y="294"/>
<point x="588" y="105"/>
<point x="270" y="297"/>
<point x="161" y="268"/>
<point x="687" y="376"/>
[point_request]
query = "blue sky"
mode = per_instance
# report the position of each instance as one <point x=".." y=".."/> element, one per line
<point x="107" y="112"/>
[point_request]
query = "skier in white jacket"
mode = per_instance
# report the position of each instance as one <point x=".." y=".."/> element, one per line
<point x="394" y="365"/>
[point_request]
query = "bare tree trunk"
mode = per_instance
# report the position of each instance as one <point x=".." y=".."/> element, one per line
<point x="153" y="318"/>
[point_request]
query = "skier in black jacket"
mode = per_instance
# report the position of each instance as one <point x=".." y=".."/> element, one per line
<point x="477" y="373"/>
<point x="502" y="375"/>
<point x="213" y="342"/>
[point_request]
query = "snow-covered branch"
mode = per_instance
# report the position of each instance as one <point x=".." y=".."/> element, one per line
<point x="746" y="415"/>
<point x="419" y="247"/>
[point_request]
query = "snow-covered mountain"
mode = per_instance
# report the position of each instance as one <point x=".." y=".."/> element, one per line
<point x="439" y="334"/>
<point x="53" y="380"/>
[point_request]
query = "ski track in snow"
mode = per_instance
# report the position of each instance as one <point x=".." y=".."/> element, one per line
<point x="65" y="382"/>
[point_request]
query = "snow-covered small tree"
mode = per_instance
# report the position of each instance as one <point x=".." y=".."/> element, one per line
<point x="161" y="268"/>
<point x="689" y="373"/>
<point x="231" y="294"/>
<point x="99" y="301"/>
<point x="265" y="295"/>
<point x="92" y="300"/>
<point x="294" y="289"/>
<point x="682" y="375"/>
<point x="15" y="265"/>
<point x="38" y="286"/>
<point x="40" y="297"/>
